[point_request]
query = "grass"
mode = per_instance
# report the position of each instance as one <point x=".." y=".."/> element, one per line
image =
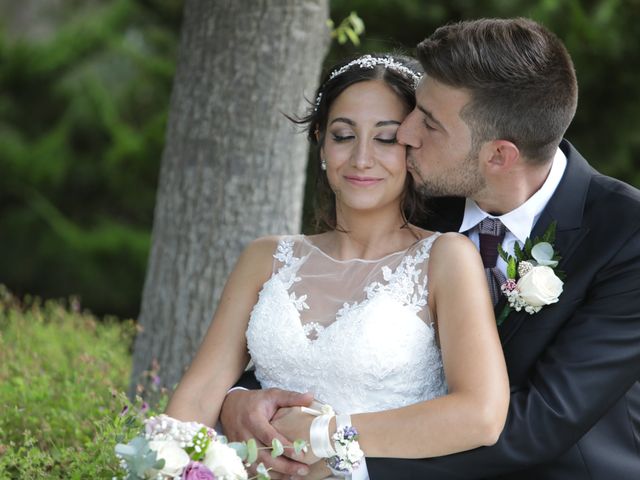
<point x="62" y="374"/>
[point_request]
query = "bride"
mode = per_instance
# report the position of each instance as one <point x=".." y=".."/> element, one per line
<point x="370" y="316"/>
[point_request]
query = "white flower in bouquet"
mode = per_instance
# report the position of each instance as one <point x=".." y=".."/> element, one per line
<point x="175" y="458"/>
<point x="224" y="462"/>
<point x="540" y="286"/>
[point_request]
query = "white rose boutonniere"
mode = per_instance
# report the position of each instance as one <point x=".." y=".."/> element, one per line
<point x="532" y="281"/>
<point x="540" y="286"/>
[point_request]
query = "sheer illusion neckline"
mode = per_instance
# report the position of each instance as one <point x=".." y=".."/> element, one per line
<point x="306" y="240"/>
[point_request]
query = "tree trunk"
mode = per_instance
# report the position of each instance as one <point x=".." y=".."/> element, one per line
<point x="233" y="166"/>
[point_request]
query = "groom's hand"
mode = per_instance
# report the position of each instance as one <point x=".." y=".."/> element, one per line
<point x="247" y="414"/>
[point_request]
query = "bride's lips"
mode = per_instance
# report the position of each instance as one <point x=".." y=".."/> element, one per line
<point x="362" y="181"/>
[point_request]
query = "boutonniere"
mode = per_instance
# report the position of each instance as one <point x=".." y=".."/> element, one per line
<point x="532" y="281"/>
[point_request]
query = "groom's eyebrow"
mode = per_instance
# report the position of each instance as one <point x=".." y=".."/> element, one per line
<point x="430" y="116"/>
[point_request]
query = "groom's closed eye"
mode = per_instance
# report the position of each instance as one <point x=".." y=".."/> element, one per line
<point x="427" y="126"/>
<point x="430" y="121"/>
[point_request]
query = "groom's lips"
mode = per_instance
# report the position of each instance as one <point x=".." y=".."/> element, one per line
<point x="362" y="181"/>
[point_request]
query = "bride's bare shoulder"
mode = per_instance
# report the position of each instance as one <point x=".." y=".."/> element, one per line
<point x="453" y="250"/>
<point x="257" y="257"/>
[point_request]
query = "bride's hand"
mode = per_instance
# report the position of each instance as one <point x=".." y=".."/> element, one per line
<point x="293" y="423"/>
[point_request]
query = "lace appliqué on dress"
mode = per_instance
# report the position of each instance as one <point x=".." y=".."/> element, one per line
<point x="403" y="284"/>
<point x="378" y="353"/>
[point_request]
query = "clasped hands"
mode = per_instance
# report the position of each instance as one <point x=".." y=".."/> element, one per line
<point x="270" y="414"/>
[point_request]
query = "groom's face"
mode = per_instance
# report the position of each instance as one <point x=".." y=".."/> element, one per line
<point x="440" y="153"/>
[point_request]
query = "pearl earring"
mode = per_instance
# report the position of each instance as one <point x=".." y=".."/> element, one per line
<point x="323" y="164"/>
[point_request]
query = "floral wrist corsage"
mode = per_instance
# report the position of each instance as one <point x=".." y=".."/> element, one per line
<point x="348" y="453"/>
<point x="532" y="281"/>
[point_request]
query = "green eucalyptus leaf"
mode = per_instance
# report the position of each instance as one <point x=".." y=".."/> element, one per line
<point x="543" y="254"/>
<point x="277" y="448"/>
<point x="252" y="450"/>
<point x="299" y="446"/>
<point x="241" y="449"/>
<point x="262" y="472"/>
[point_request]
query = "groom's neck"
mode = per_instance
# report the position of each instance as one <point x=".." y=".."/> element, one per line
<point x="507" y="191"/>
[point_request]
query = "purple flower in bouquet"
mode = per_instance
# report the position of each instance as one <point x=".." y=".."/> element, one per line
<point x="197" y="471"/>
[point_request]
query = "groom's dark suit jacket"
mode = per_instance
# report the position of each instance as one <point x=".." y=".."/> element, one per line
<point x="574" y="367"/>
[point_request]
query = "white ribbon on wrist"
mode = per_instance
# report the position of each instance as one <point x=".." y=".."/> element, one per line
<point x="319" y="437"/>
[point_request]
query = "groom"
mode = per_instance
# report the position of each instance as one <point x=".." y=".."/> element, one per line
<point x="497" y="97"/>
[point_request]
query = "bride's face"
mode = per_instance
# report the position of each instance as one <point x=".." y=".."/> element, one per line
<point x="366" y="167"/>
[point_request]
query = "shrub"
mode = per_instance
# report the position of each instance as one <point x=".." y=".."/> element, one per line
<point x="62" y="372"/>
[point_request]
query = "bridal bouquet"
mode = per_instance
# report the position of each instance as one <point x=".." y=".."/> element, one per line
<point x="169" y="448"/>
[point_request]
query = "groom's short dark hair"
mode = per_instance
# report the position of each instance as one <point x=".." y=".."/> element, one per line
<point x="520" y="77"/>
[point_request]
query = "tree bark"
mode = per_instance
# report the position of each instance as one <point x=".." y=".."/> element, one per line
<point x="233" y="167"/>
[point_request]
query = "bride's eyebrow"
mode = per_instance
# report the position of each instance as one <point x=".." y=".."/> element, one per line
<point x="343" y="120"/>
<point x="382" y="123"/>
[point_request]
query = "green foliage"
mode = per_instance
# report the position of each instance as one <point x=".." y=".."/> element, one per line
<point x="349" y="29"/>
<point x="61" y="371"/>
<point x="82" y="123"/>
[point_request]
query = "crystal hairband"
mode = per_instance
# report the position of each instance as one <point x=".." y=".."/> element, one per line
<point x="367" y="61"/>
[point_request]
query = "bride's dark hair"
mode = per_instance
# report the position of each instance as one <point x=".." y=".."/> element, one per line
<point x="401" y="79"/>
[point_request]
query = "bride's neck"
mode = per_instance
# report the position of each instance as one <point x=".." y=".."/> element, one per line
<point x="370" y="235"/>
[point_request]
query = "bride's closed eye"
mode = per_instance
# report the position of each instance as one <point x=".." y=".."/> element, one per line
<point x="341" y="138"/>
<point x="389" y="141"/>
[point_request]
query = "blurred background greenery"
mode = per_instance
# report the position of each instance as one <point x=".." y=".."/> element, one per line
<point x="84" y="92"/>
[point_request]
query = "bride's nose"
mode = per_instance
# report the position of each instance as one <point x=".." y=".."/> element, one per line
<point x="362" y="156"/>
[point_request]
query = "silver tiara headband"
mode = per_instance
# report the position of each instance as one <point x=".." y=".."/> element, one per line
<point x="367" y="61"/>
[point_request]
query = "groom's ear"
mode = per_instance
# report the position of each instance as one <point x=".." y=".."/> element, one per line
<point x="501" y="155"/>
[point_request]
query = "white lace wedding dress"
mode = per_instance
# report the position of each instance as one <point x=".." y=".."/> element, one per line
<point x="356" y="333"/>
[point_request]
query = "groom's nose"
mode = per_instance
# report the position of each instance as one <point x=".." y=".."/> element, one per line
<point x="407" y="133"/>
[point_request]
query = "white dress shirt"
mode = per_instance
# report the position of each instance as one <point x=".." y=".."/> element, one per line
<point x="520" y="221"/>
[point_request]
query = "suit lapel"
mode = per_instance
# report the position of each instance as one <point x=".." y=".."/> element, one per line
<point x="566" y="207"/>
